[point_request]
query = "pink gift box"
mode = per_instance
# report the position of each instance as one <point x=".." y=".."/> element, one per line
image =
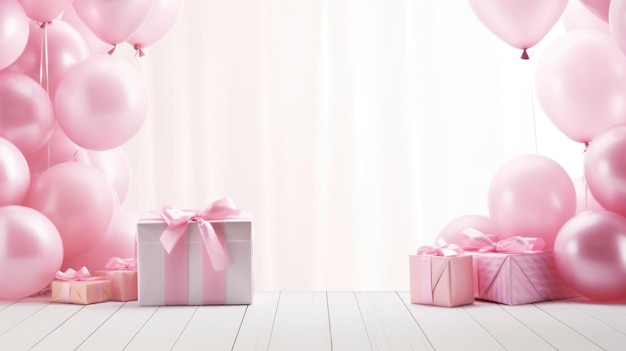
<point x="441" y="281"/>
<point x="81" y="292"/>
<point x="518" y="278"/>
<point x="123" y="284"/>
<point x="186" y="275"/>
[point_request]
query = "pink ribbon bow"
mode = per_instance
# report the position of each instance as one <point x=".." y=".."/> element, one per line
<point x="474" y="240"/>
<point x="441" y="248"/>
<point x="117" y="263"/>
<point x="72" y="275"/>
<point x="178" y="219"/>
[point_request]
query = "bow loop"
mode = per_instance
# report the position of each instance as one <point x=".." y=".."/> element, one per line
<point x="72" y="275"/>
<point x="474" y="240"/>
<point x="441" y="248"/>
<point x="117" y="263"/>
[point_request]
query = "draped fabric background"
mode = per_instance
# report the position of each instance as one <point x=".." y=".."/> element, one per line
<point x="354" y="130"/>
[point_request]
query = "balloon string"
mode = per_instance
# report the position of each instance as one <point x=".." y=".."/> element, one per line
<point x="532" y="106"/>
<point x="43" y="73"/>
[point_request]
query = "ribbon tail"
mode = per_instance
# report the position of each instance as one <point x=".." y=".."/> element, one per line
<point x="171" y="235"/>
<point x="213" y="246"/>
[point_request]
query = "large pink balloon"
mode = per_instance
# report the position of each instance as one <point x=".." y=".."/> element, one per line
<point x="162" y="17"/>
<point x="605" y="168"/>
<point x="584" y="199"/>
<point x="119" y="241"/>
<point x="531" y="195"/>
<point x="14" y="174"/>
<point x="13" y="31"/>
<point x="79" y="201"/>
<point x="113" y="21"/>
<point x="101" y="102"/>
<point x="576" y="16"/>
<point x="66" y="48"/>
<point x="31" y="252"/>
<point x="581" y="84"/>
<point x="44" y="10"/>
<point x="26" y="117"/>
<point x="58" y="149"/>
<point x="95" y="45"/>
<point x="519" y="23"/>
<point x="617" y="23"/>
<point x="450" y="233"/>
<point x="589" y="253"/>
<point x="599" y="8"/>
<point x="116" y="167"/>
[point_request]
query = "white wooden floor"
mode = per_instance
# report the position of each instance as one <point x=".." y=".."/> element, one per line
<point x="313" y="321"/>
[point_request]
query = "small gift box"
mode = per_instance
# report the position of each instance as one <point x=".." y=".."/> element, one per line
<point x="441" y="276"/>
<point x="80" y="287"/>
<point x="191" y="257"/>
<point x="513" y="271"/>
<point x="122" y="272"/>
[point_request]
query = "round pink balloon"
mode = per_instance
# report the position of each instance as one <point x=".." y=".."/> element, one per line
<point x="519" y="23"/>
<point x="32" y="252"/>
<point x="531" y="195"/>
<point x="576" y="16"/>
<point x="13" y="32"/>
<point x="605" y="168"/>
<point x="584" y="199"/>
<point x="66" y="48"/>
<point x="617" y="23"/>
<point x="26" y="117"/>
<point x="589" y="254"/>
<point x="58" y="149"/>
<point x="95" y="45"/>
<point x="79" y="201"/>
<point x="162" y="17"/>
<point x="14" y="174"/>
<point x="101" y="102"/>
<point x="116" y="167"/>
<point x="581" y="84"/>
<point x="484" y="224"/>
<point x="44" y="10"/>
<point x="113" y="21"/>
<point x="599" y="8"/>
<point x="119" y="241"/>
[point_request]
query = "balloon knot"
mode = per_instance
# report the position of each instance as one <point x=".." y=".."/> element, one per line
<point x="586" y="146"/>
<point x="138" y="50"/>
<point x="43" y="25"/>
<point x="525" y="55"/>
<point x="110" y="52"/>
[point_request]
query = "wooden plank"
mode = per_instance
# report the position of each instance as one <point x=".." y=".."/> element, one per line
<point x="5" y="303"/>
<point x="450" y="328"/>
<point x="162" y="329"/>
<point x="389" y="324"/>
<point x="34" y="329"/>
<point x="593" y="329"/>
<point x="604" y="313"/>
<point x="549" y="328"/>
<point x="117" y="331"/>
<point x="75" y="330"/>
<point x="347" y="329"/>
<point x="213" y="327"/>
<point x="256" y="329"/>
<point x="301" y="322"/>
<point x="504" y="328"/>
<point x="15" y="313"/>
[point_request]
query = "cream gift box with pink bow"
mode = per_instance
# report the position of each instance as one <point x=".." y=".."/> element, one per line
<point x="195" y="257"/>
<point x="79" y="287"/>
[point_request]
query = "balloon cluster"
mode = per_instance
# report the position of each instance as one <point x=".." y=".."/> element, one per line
<point x="580" y="82"/>
<point x="66" y="107"/>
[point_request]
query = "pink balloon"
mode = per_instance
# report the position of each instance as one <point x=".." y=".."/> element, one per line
<point x="13" y="32"/>
<point x="482" y="223"/>
<point x="605" y="168"/>
<point x="79" y="201"/>
<point x="66" y="48"/>
<point x="599" y="8"/>
<point x="519" y="23"/>
<point x="581" y="84"/>
<point x="116" y="167"/>
<point x="531" y="195"/>
<point x="589" y="254"/>
<point x="31" y="253"/>
<point x="113" y="21"/>
<point x="95" y="45"/>
<point x="26" y="117"/>
<point x="584" y="199"/>
<point x="119" y="241"/>
<point x="14" y="174"/>
<point x="58" y="149"/>
<point x="617" y="23"/>
<point x="101" y="102"/>
<point x="162" y="17"/>
<point x="44" y="10"/>
<point x="576" y="16"/>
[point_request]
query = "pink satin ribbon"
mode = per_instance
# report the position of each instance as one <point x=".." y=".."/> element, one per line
<point x="117" y="263"/>
<point x="178" y="219"/>
<point x="474" y="240"/>
<point x="441" y="248"/>
<point x="72" y="275"/>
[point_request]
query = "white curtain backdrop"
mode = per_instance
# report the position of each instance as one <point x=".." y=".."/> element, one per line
<point x="354" y="130"/>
